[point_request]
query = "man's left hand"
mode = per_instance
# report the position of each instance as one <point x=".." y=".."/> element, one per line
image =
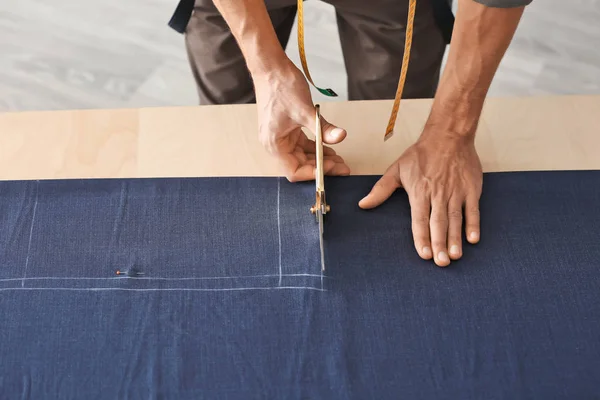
<point x="442" y="175"/>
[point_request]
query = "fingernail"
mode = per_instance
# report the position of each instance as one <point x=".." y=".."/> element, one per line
<point x="443" y="257"/>
<point x="454" y="250"/>
<point x="426" y="251"/>
<point x="337" y="133"/>
<point x="473" y="236"/>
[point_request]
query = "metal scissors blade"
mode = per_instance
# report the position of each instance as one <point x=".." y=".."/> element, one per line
<point x="321" y="207"/>
<point x="321" y="244"/>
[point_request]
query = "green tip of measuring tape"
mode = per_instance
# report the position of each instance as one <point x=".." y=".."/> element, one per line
<point x="327" y="92"/>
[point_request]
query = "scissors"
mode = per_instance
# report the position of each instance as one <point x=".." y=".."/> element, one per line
<point x="320" y="208"/>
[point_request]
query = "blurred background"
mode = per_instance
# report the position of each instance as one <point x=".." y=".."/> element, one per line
<point x="73" y="54"/>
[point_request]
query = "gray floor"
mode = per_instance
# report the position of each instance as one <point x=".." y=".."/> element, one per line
<point x="72" y="54"/>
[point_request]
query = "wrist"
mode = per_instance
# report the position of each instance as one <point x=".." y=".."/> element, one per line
<point x="456" y="110"/>
<point x="273" y="68"/>
<point x="455" y="118"/>
<point x="265" y="63"/>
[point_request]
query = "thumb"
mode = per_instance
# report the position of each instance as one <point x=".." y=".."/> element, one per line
<point x="331" y="133"/>
<point x="382" y="191"/>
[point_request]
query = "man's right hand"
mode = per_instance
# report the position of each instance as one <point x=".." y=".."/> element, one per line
<point x="282" y="94"/>
<point x="284" y="107"/>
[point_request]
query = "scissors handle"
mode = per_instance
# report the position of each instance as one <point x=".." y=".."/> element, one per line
<point x="319" y="174"/>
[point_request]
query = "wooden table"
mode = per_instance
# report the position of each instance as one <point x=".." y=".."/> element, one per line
<point x="515" y="134"/>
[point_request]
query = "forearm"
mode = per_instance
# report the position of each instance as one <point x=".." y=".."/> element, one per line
<point x="480" y="39"/>
<point x="251" y="26"/>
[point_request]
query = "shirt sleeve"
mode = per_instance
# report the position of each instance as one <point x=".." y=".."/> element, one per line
<point x="504" y="3"/>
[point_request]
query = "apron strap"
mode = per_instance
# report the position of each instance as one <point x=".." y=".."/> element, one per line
<point x="182" y="15"/>
<point x="442" y="13"/>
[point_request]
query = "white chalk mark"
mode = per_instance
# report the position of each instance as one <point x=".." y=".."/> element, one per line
<point x="280" y="275"/>
<point x="279" y="227"/>
<point x="154" y="278"/>
<point x="168" y="289"/>
<point x="321" y="280"/>
<point x="37" y="190"/>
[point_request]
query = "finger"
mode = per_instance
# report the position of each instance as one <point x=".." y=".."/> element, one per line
<point x="331" y="133"/>
<point x="296" y="170"/>
<point x="304" y="172"/>
<point x="328" y="151"/>
<point x="438" y="226"/>
<point x="311" y="156"/>
<point x="472" y="219"/>
<point x="301" y="156"/>
<point x="335" y="158"/>
<point x="455" y="219"/>
<point x="307" y="145"/>
<point x="310" y="147"/>
<point x="419" y="214"/>
<point x="382" y="191"/>
<point x="335" y="168"/>
<point x="332" y="165"/>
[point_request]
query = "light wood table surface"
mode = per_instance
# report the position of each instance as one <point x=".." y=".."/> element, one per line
<point x="515" y="134"/>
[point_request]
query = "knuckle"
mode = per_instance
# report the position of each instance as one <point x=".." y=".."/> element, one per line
<point x="438" y="219"/>
<point x="455" y="214"/>
<point x="326" y="126"/>
<point x="421" y="219"/>
<point x="380" y="184"/>
<point x="392" y="179"/>
<point x="422" y="186"/>
<point x="438" y="245"/>
<point x="473" y="211"/>
<point x="475" y="186"/>
<point x="418" y="201"/>
<point x="454" y="239"/>
<point x="475" y="191"/>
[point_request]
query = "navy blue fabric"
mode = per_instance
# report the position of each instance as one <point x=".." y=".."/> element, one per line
<point x="225" y="298"/>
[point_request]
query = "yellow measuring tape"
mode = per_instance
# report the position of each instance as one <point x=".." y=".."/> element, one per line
<point x="326" y="92"/>
<point x="405" y="60"/>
